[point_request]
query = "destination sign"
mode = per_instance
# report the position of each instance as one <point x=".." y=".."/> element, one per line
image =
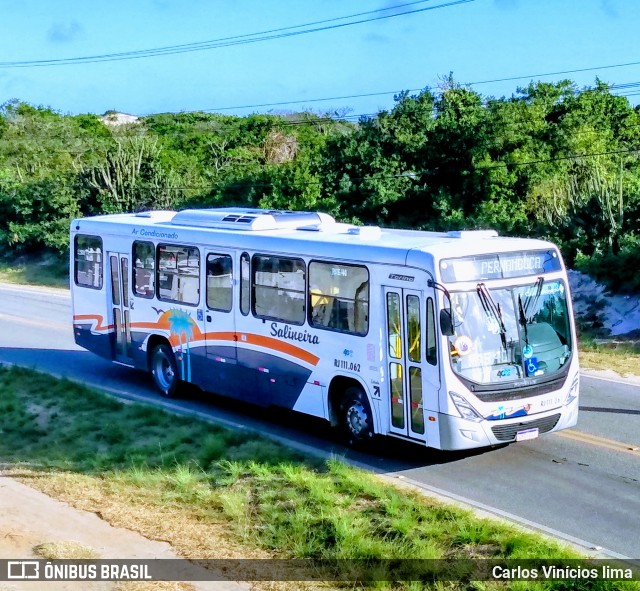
<point x="500" y="265"/>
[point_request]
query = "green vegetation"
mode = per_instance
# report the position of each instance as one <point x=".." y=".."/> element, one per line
<point x="49" y="271"/>
<point x="552" y="160"/>
<point x="623" y="357"/>
<point x="214" y="493"/>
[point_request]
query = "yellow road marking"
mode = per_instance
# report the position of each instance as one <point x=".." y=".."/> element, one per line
<point x="600" y="441"/>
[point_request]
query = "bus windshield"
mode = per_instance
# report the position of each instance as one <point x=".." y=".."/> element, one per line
<point x="506" y="334"/>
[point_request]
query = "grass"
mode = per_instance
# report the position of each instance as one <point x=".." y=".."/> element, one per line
<point x="623" y="357"/>
<point x="624" y="364"/>
<point x="153" y="586"/>
<point x="215" y="493"/>
<point x="64" y="550"/>
<point x="47" y="271"/>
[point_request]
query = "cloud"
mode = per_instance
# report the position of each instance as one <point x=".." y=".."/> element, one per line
<point x="64" y="32"/>
<point x="507" y="4"/>
<point x="609" y="8"/>
<point x="377" y="38"/>
<point x="389" y="5"/>
<point x="175" y="4"/>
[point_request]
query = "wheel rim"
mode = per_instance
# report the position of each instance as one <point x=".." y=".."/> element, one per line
<point x="164" y="372"/>
<point x="357" y="419"/>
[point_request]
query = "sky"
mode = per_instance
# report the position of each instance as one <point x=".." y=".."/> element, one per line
<point x="403" y="45"/>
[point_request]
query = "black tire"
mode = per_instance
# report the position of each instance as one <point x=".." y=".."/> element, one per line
<point x="165" y="371"/>
<point x="356" y="418"/>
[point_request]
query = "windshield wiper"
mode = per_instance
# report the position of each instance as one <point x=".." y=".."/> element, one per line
<point x="492" y="310"/>
<point x="523" y="320"/>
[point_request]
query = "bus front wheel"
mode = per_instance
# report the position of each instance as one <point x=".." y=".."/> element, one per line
<point x="355" y="417"/>
<point x="165" y="370"/>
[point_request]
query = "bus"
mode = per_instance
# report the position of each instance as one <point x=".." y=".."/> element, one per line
<point x="452" y="340"/>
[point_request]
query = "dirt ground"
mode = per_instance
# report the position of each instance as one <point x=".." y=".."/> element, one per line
<point x="29" y="518"/>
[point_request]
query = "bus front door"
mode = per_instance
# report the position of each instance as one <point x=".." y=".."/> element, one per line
<point x="412" y="376"/>
<point x="120" y="304"/>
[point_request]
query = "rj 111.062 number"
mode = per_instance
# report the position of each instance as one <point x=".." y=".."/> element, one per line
<point x="344" y="364"/>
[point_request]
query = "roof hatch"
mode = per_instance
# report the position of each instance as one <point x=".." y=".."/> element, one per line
<point x="239" y="218"/>
<point x="472" y="234"/>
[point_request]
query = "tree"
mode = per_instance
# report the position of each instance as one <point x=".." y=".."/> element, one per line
<point x="131" y="177"/>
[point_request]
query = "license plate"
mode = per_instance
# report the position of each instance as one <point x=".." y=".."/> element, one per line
<point x="527" y="434"/>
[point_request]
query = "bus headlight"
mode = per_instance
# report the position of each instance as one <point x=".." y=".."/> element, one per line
<point x="464" y="408"/>
<point x="573" y="391"/>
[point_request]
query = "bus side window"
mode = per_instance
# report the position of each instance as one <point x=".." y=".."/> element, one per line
<point x="361" y="312"/>
<point x="339" y="297"/>
<point x="88" y="261"/>
<point x="178" y="273"/>
<point x="245" y="283"/>
<point x="144" y="265"/>
<point x="432" y="350"/>
<point x="219" y="282"/>
<point x="279" y="286"/>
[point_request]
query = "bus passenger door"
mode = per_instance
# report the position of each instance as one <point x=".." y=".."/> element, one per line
<point x="219" y="313"/>
<point x="120" y="304"/>
<point x="413" y="382"/>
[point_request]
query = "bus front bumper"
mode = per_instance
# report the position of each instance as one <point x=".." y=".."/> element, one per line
<point x="458" y="433"/>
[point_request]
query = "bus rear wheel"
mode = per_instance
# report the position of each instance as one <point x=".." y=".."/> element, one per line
<point x="356" y="419"/>
<point x="165" y="370"/>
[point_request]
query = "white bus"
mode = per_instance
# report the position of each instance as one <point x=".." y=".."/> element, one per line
<point x="451" y="340"/>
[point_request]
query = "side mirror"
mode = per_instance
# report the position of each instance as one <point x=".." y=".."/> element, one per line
<point x="446" y="323"/>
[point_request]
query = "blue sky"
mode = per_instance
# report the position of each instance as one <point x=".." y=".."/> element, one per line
<point x="477" y="41"/>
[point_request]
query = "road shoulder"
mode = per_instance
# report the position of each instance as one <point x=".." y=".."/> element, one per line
<point x="30" y="518"/>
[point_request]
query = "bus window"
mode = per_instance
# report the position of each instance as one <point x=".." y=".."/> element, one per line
<point x="393" y="329"/>
<point x="115" y="282"/>
<point x="414" y="328"/>
<point x="144" y="269"/>
<point x="279" y="288"/>
<point x="245" y="283"/>
<point x="88" y="261"/>
<point x="219" y="283"/>
<point x="415" y="387"/>
<point x="339" y="297"/>
<point x="432" y="352"/>
<point x="178" y="274"/>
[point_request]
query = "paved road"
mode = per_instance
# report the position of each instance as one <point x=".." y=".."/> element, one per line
<point x="583" y="484"/>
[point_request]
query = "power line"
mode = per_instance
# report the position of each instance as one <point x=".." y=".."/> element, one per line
<point x="559" y="73"/>
<point x="557" y="159"/>
<point x="235" y="40"/>
<point x="396" y="92"/>
<point x="406" y="174"/>
<point x="357" y="117"/>
<point x="221" y="127"/>
<point x="313" y="119"/>
<point x="312" y="100"/>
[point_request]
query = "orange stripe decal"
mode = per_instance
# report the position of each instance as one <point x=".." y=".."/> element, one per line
<point x="266" y="342"/>
<point x="163" y="324"/>
<point x="93" y="318"/>
<point x="277" y="345"/>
